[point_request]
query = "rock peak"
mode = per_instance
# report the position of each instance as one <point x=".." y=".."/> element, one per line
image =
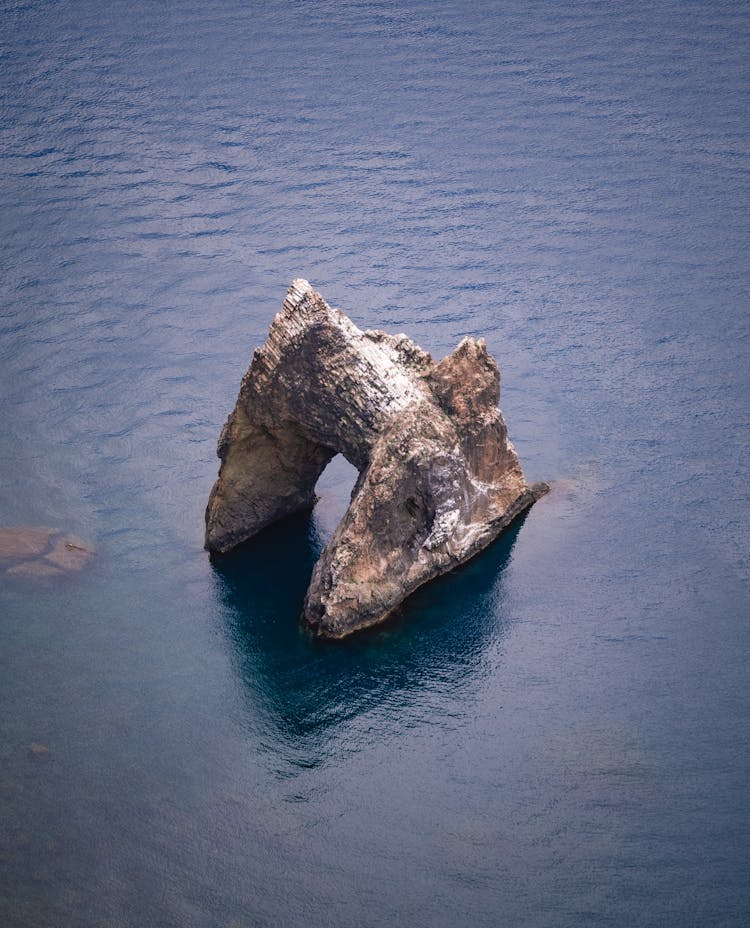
<point x="438" y="477"/>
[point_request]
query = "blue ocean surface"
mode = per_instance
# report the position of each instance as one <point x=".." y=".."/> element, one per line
<point x="556" y="734"/>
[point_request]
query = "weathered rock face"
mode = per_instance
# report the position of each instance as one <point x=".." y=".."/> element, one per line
<point x="438" y="477"/>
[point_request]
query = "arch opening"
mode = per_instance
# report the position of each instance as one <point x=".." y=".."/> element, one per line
<point x="334" y="492"/>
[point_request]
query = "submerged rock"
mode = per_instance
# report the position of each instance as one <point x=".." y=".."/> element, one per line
<point x="69" y="553"/>
<point x="35" y="570"/>
<point x="438" y="477"/>
<point x="22" y="541"/>
<point x="29" y="551"/>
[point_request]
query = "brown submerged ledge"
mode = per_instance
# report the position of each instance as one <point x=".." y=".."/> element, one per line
<point x="36" y="553"/>
<point x="438" y="478"/>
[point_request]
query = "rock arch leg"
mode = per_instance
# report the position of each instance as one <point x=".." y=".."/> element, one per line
<point x="265" y="475"/>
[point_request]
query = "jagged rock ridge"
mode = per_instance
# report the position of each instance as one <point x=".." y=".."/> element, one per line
<point x="438" y="477"/>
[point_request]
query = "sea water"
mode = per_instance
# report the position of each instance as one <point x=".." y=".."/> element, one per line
<point x="556" y="734"/>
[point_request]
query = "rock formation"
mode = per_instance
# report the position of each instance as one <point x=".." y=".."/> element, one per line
<point x="438" y="477"/>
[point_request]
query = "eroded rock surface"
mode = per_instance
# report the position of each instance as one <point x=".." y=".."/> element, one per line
<point x="438" y="477"/>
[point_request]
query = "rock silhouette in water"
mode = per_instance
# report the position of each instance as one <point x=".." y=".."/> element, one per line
<point x="438" y="477"/>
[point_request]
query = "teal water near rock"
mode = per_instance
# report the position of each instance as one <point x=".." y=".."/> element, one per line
<point x="557" y="733"/>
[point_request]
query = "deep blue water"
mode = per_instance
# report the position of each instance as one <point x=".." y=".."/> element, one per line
<point x="556" y="735"/>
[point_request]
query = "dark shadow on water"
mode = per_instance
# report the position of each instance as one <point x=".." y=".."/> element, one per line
<point x="431" y="648"/>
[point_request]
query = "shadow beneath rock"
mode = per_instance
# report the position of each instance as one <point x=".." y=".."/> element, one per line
<point x="432" y="648"/>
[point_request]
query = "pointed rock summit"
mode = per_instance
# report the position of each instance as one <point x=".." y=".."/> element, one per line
<point x="438" y="477"/>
